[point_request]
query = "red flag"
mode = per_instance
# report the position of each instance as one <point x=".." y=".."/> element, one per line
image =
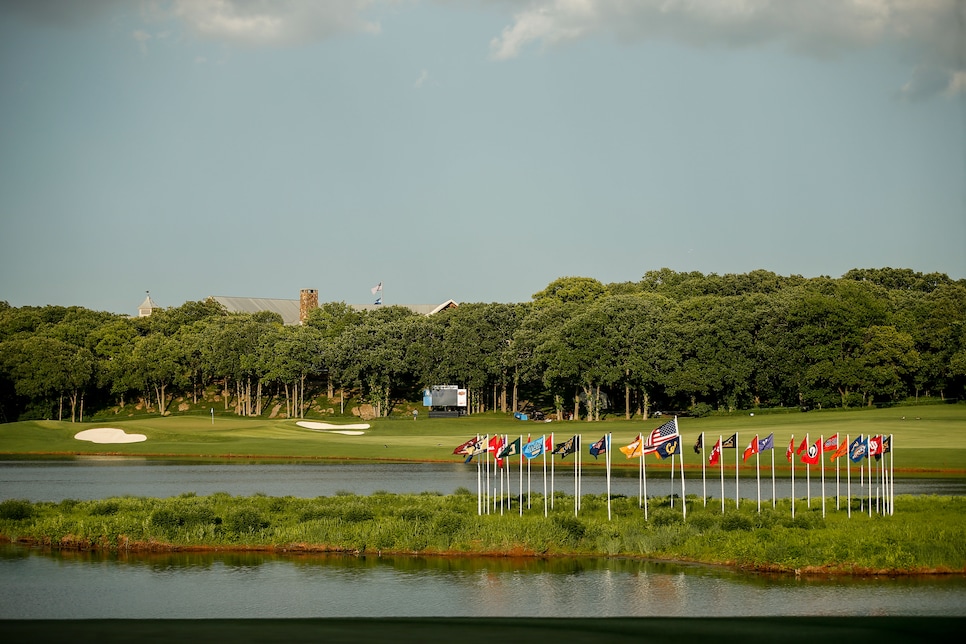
<point x="752" y="448"/>
<point x="790" y="450"/>
<point x="715" y="454"/>
<point x="814" y="453"/>
<point x="547" y="443"/>
<point x="875" y="445"/>
<point x="802" y="447"/>
<point x="495" y="444"/>
<point x="831" y="443"/>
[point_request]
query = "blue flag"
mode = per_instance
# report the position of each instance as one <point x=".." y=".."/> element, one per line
<point x="599" y="447"/>
<point x="668" y="448"/>
<point x="534" y="448"/>
<point x="766" y="443"/>
<point x="858" y="449"/>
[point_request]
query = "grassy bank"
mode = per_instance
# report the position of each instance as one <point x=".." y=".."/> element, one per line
<point x="926" y="534"/>
<point x="928" y="439"/>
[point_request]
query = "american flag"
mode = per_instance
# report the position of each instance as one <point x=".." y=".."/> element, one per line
<point x="667" y="431"/>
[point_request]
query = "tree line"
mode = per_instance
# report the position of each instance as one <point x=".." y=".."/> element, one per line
<point x="681" y="341"/>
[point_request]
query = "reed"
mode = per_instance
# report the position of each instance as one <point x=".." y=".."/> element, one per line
<point x="926" y="534"/>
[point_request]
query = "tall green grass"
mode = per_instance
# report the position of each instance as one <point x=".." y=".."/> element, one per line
<point x="924" y="534"/>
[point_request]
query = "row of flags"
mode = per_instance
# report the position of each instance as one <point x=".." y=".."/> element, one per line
<point x="665" y="442"/>
<point x="808" y="453"/>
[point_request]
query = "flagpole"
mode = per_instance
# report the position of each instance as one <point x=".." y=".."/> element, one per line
<point x="479" y="484"/>
<point x="792" y="449"/>
<point x="544" y="439"/>
<point x="528" y="472"/>
<point x="609" y="435"/>
<point x="704" y="481"/>
<point x="551" y="473"/>
<point x="758" y="471"/>
<point x="808" y="474"/>
<point x="737" y="443"/>
<point x="644" y="476"/>
<point x="672" y="480"/>
<point x="576" y="484"/>
<point x="521" y="478"/>
<point x="721" y="467"/>
<point x="848" y="477"/>
<point x="487" y="493"/>
<point x="773" y="499"/>
<point x="640" y="471"/>
<point x="821" y="459"/>
<point x="837" y="484"/>
<point x="684" y="499"/>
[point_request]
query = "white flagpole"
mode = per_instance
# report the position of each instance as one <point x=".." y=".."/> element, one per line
<point x="544" y="439"/>
<point x="502" y="476"/>
<point x="704" y="480"/>
<point x="479" y="487"/>
<point x="773" y="500"/>
<point x="821" y="460"/>
<point x="737" y="443"/>
<point x="608" y="473"/>
<point x="758" y="472"/>
<point x="672" y="479"/>
<point x="644" y="477"/>
<point x="521" y="478"/>
<point x="487" y="493"/>
<point x="528" y="473"/>
<point x="848" y="477"/>
<point x="793" y="474"/>
<point x="808" y="473"/>
<point x="721" y="467"/>
<point x="552" y="467"/>
<point x="684" y="500"/>
<point x="576" y="478"/>
<point x="837" y="484"/>
<point x="640" y="472"/>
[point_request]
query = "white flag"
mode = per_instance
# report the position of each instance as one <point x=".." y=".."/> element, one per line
<point x="375" y="289"/>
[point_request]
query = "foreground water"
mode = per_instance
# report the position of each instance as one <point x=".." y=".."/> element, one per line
<point x="38" y="585"/>
<point x="87" y="478"/>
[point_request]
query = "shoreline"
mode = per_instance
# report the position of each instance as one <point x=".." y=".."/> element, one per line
<point x="749" y="469"/>
<point x="156" y="547"/>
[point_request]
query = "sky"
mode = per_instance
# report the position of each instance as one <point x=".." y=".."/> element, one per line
<point x="473" y="150"/>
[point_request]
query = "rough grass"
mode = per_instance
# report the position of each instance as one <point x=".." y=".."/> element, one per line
<point x="926" y="534"/>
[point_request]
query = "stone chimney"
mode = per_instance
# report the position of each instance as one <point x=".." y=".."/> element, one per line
<point x="308" y="302"/>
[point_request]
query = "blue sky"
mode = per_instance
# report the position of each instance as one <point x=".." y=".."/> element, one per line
<point x="470" y="150"/>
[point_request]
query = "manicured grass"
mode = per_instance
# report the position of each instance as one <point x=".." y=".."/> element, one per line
<point x="930" y="438"/>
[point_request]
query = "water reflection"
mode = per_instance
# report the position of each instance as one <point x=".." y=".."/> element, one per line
<point x="194" y="585"/>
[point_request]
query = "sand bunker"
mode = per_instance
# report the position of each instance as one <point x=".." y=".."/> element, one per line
<point x="334" y="429"/>
<point x="109" y="435"/>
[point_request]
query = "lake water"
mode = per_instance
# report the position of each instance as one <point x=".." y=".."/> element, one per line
<point x="87" y="478"/>
<point x="85" y="585"/>
<point x="69" y="585"/>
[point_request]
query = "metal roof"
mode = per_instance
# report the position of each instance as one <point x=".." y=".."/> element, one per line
<point x="288" y="309"/>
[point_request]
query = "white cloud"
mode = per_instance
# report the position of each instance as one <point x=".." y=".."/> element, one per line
<point x="932" y="32"/>
<point x="271" y="22"/>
